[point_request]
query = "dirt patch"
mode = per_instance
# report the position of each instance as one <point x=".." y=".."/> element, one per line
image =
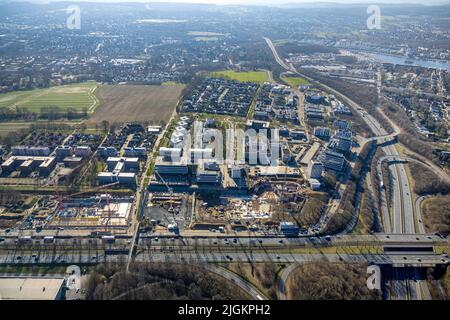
<point x="128" y="103"/>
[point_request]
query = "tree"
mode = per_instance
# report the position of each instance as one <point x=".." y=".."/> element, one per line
<point x="105" y="125"/>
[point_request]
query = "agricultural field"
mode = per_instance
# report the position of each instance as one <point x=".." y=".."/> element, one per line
<point x="251" y="76"/>
<point x="15" y="126"/>
<point x="295" y="81"/>
<point x="78" y="96"/>
<point x="7" y="127"/>
<point x="128" y="103"/>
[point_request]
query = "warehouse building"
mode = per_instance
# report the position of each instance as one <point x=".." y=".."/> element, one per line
<point x="27" y="288"/>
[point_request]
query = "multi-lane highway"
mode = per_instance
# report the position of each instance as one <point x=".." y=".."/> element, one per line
<point x="352" y="245"/>
<point x="402" y="214"/>
<point x="402" y="218"/>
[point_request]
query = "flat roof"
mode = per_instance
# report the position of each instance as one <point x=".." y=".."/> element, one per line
<point x="23" y="288"/>
<point x="160" y="161"/>
<point x="122" y="159"/>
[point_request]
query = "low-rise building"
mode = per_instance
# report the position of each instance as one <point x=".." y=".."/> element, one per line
<point x="288" y="228"/>
<point x="83" y="151"/>
<point x="322" y="132"/>
<point x="167" y="167"/>
<point x="297" y="134"/>
<point x="107" y="152"/>
<point x="315" y="169"/>
<point x="334" y="161"/>
<point x="124" y="178"/>
<point x="30" y="151"/>
<point x="127" y="164"/>
<point x="314" y="184"/>
<point x="63" y="152"/>
<point x="208" y="176"/>
<point x="30" y="288"/>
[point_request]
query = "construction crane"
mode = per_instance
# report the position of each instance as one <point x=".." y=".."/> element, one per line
<point x="108" y="219"/>
<point x="61" y="199"/>
<point x="165" y="183"/>
<point x="170" y="192"/>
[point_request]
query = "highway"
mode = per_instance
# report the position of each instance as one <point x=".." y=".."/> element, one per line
<point x="69" y="258"/>
<point x="402" y="217"/>
<point x="261" y="249"/>
<point x="378" y="239"/>
<point x="402" y="211"/>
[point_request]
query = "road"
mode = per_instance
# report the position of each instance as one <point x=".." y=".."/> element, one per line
<point x="282" y="278"/>
<point x="208" y="256"/>
<point x="239" y="281"/>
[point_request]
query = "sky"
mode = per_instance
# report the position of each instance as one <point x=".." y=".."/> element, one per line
<point x="261" y="2"/>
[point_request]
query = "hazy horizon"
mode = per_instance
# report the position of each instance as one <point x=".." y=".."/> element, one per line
<point x="251" y="2"/>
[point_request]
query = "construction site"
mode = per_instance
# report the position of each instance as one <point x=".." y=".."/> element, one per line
<point x="98" y="209"/>
<point x="168" y="212"/>
<point x="97" y="213"/>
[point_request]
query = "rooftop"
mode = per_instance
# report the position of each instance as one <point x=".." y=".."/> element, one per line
<point x="23" y="288"/>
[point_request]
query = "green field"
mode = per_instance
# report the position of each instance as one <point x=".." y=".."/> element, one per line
<point x="7" y="127"/>
<point x="170" y="83"/>
<point x="295" y="81"/>
<point x="77" y="96"/>
<point x="15" y="126"/>
<point x="251" y="76"/>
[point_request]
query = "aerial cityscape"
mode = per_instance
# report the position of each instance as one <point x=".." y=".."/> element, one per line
<point x="223" y="150"/>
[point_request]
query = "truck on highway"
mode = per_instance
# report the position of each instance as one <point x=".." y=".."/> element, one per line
<point x="49" y="239"/>
<point x="24" y="239"/>
<point x="108" y="239"/>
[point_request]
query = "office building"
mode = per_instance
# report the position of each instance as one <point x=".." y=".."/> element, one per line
<point x="334" y="160"/>
<point x="315" y="169"/>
